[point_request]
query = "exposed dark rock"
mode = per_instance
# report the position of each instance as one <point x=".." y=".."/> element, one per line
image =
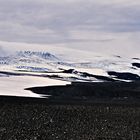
<point x="124" y="75"/>
<point x="136" y="58"/>
<point x="136" y="65"/>
<point x="92" y="91"/>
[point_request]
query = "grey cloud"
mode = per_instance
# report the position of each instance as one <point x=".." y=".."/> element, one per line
<point x="44" y="21"/>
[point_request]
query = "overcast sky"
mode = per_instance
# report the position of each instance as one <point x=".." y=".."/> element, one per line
<point x="76" y="23"/>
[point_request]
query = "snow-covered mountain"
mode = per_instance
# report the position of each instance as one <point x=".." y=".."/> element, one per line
<point x="27" y="57"/>
<point x="28" y="60"/>
<point x="65" y="67"/>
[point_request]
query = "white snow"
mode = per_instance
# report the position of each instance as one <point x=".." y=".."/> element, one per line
<point x="15" y="85"/>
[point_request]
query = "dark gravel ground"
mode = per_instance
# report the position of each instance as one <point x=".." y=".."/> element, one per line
<point x="22" y="119"/>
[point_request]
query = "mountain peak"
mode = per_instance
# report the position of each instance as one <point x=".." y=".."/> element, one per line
<point x="44" y="55"/>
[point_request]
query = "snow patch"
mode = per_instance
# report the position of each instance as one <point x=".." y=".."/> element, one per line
<point x="15" y="85"/>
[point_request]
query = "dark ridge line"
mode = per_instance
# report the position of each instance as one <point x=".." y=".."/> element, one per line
<point x="124" y="75"/>
<point x="136" y="58"/>
<point x="118" y="56"/>
<point x="85" y="74"/>
<point x="16" y="74"/>
<point x="92" y="92"/>
<point x="133" y="68"/>
<point x="10" y="73"/>
<point x="136" y="65"/>
<point x="70" y="71"/>
<point x="39" y="71"/>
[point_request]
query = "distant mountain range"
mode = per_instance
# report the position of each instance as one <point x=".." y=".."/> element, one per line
<point x="113" y="68"/>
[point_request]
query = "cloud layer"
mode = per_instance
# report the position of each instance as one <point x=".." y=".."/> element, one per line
<point x="75" y="23"/>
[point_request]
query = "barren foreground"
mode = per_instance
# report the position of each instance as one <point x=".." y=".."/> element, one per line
<point x="21" y="119"/>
